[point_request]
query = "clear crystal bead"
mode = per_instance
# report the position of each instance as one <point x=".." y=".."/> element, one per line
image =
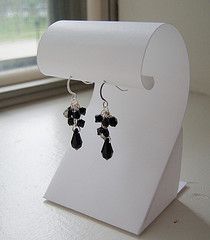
<point x="65" y="113"/>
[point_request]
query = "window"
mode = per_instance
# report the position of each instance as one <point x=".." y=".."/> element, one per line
<point x="22" y="22"/>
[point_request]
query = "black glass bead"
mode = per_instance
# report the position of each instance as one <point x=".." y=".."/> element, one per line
<point x="98" y="118"/>
<point x="105" y="132"/>
<point x="70" y="121"/>
<point x="82" y="110"/>
<point x="100" y="130"/>
<point x="81" y="123"/>
<point x="105" y="122"/>
<point x="69" y="112"/>
<point x="107" y="150"/>
<point x="76" y="114"/>
<point x="76" y="141"/>
<point x="113" y="121"/>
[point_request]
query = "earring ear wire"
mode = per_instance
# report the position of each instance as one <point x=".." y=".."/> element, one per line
<point x="69" y="88"/>
<point x="101" y="90"/>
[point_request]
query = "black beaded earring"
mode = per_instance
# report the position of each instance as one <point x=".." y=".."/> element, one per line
<point x="73" y="113"/>
<point x="106" y="119"/>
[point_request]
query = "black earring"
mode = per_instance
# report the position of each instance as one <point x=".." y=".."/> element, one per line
<point x="73" y="113"/>
<point x="106" y="119"/>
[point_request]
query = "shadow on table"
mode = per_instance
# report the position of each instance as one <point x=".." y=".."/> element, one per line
<point x="177" y="221"/>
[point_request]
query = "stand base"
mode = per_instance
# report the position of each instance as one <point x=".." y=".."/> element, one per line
<point x="66" y="191"/>
<point x="167" y="188"/>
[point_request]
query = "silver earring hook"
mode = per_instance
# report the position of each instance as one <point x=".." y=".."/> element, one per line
<point x="101" y="95"/>
<point x="105" y="103"/>
<point x="74" y="95"/>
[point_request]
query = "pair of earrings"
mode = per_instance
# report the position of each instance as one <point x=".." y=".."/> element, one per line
<point x="74" y="113"/>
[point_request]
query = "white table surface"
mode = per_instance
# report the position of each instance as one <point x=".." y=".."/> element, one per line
<point x="33" y="139"/>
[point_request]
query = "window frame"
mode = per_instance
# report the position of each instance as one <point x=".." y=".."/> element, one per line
<point x="20" y="75"/>
<point x="27" y="83"/>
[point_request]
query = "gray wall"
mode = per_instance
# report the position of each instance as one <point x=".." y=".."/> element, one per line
<point x="191" y="18"/>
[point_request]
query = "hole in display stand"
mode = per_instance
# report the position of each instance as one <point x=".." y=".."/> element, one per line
<point x="148" y="82"/>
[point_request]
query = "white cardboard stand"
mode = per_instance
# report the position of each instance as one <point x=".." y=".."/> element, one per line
<point x="132" y="188"/>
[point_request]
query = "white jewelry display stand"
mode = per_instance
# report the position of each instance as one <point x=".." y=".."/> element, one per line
<point x="133" y="187"/>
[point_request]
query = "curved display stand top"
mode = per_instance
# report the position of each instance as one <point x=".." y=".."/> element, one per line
<point x="113" y="51"/>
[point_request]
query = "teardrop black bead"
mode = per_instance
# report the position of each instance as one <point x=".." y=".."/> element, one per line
<point x="76" y="141"/>
<point x="107" y="150"/>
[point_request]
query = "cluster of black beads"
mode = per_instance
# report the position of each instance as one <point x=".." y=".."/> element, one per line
<point x="105" y="123"/>
<point x="74" y="116"/>
<point x="106" y="120"/>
